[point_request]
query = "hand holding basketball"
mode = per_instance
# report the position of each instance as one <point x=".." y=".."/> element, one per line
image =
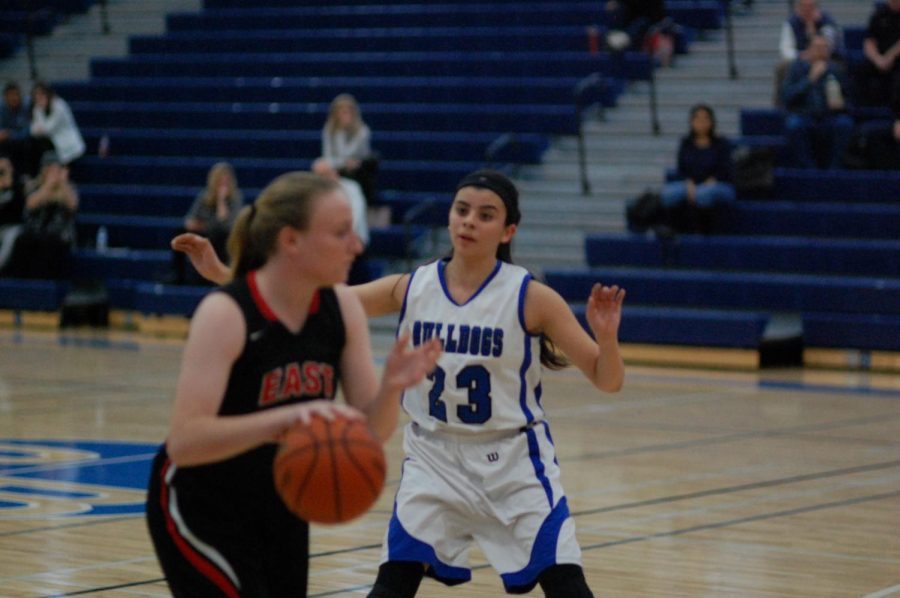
<point x="329" y="470"/>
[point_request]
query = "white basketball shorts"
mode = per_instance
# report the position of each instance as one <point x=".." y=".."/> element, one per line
<point x="502" y="492"/>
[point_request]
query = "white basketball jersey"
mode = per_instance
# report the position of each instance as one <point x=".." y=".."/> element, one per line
<point x="488" y="377"/>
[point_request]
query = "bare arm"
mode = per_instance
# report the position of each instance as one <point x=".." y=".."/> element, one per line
<point x="600" y="360"/>
<point x="384" y="295"/>
<point x="203" y="257"/>
<point x="198" y="434"/>
<point x="881" y="61"/>
<point x="380" y="402"/>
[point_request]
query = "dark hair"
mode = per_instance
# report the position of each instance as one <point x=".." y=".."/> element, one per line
<point x="712" y="117"/>
<point x="44" y="87"/>
<point x="498" y="183"/>
<point x="505" y="189"/>
<point x="286" y="201"/>
<point x="11" y="86"/>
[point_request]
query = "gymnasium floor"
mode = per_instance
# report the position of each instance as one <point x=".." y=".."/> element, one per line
<point x="687" y="483"/>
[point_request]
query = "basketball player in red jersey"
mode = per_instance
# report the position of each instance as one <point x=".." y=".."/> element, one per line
<point x="265" y="352"/>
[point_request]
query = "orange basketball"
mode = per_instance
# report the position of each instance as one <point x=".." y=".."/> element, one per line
<point x="330" y="471"/>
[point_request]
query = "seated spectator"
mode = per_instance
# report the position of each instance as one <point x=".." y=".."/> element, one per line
<point x="48" y="233"/>
<point x="704" y="170"/>
<point x="212" y="216"/>
<point x="646" y="26"/>
<point x="880" y="74"/>
<point x="815" y="96"/>
<point x="12" y="208"/>
<point x="14" y="126"/>
<point x="346" y="146"/>
<point x="807" y="21"/>
<point x="53" y="125"/>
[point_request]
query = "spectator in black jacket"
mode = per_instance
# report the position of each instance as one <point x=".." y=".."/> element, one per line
<point x="704" y="175"/>
<point x="880" y="76"/>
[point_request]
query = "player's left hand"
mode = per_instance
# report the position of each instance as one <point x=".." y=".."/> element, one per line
<point x="604" y="310"/>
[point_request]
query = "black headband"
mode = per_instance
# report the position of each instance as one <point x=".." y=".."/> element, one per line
<point x="499" y="184"/>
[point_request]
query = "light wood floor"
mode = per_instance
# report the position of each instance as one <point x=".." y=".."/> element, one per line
<point x="688" y="483"/>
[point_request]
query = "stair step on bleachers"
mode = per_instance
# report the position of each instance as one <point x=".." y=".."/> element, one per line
<point x="848" y="257"/>
<point x="736" y="329"/>
<point x="808" y="219"/>
<point x="139" y="199"/>
<point x="32" y="295"/>
<point x="258" y="172"/>
<point x="850" y="186"/>
<point x="473" y="38"/>
<point x="498" y="118"/>
<point x="698" y="14"/>
<point x="140" y="239"/>
<point x="366" y="89"/>
<point x="523" y="148"/>
<point x="630" y="65"/>
<point x="736" y="290"/>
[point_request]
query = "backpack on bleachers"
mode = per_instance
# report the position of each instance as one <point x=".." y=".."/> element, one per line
<point x="754" y="170"/>
<point x="644" y="211"/>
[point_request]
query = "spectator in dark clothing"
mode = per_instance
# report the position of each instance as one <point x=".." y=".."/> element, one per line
<point x="48" y="233"/>
<point x="704" y="172"/>
<point x="15" y="126"/>
<point x="806" y="21"/>
<point x="14" y="121"/>
<point x="646" y="25"/>
<point x="12" y="208"/>
<point x="815" y="93"/>
<point x="880" y="74"/>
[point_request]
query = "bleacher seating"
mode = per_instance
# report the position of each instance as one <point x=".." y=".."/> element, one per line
<point x="440" y="101"/>
<point x="251" y="82"/>
<point x="820" y="252"/>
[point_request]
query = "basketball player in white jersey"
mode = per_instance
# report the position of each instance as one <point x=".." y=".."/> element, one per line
<point x="480" y="463"/>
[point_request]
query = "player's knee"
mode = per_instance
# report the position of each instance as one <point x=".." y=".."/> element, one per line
<point x="398" y="580"/>
<point x="564" y="581"/>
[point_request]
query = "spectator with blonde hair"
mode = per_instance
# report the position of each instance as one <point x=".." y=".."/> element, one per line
<point x="212" y="215"/>
<point x="346" y="146"/>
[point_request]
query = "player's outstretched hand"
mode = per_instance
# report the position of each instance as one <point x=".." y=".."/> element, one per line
<point x="405" y="367"/>
<point x="202" y="256"/>
<point x="604" y="310"/>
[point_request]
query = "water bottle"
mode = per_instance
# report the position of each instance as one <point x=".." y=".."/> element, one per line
<point x="833" y="94"/>
<point x="103" y="146"/>
<point x="102" y="239"/>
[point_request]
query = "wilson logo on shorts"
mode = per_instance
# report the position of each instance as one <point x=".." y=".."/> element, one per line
<point x="493" y="457"/>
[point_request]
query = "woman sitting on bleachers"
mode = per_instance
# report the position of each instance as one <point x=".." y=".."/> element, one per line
<point x="212" y="216"/>
<point x="53" y="127"/>
<point x="346" y="146"/>
<point x="704" y="175"/>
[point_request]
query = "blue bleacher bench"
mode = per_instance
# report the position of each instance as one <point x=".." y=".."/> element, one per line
<point x="851" y="257"/>
<point x="366" y="89"/>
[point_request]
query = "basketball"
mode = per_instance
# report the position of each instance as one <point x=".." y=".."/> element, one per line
<point x="330" y="471"/>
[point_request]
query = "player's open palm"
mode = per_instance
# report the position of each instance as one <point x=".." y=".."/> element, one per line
<point x="604" y="310"/>
<point x="405" y="367"/>
<point x="201" y="253"/>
